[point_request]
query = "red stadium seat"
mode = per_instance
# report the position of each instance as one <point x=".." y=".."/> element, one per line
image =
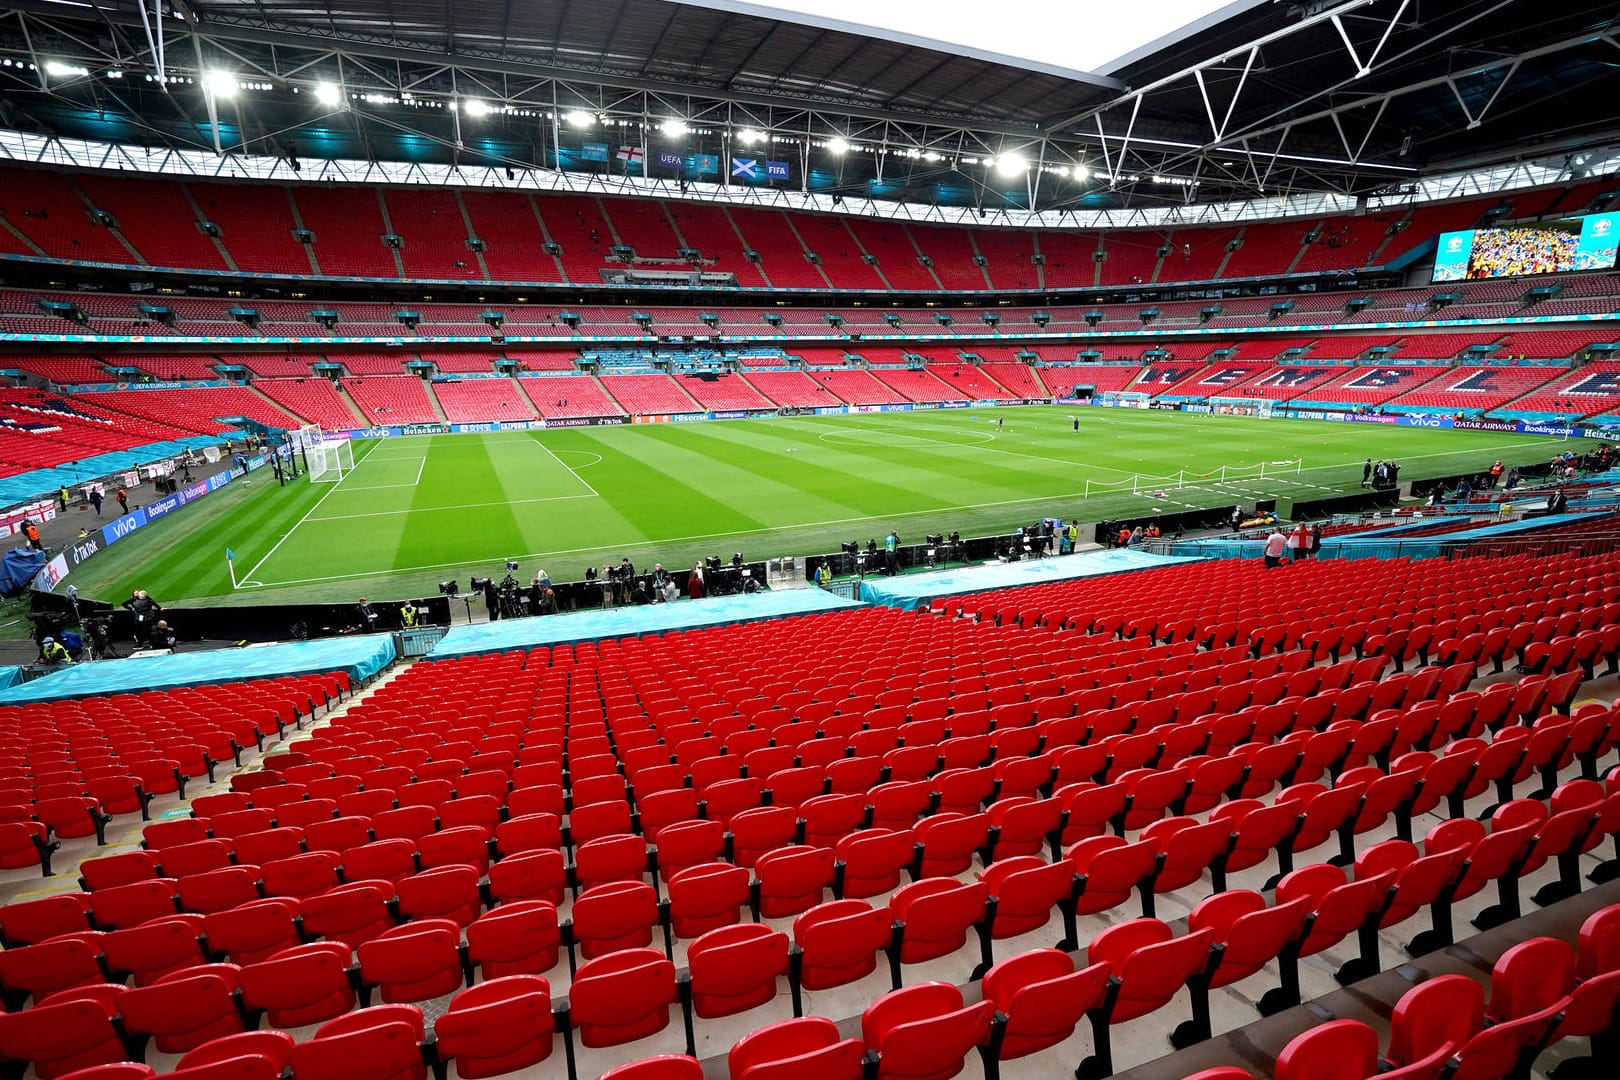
<point x="925" y="1031"/>
<point x="734" y="969"/>
<point x="1148" y="964"/>
<point x="59" y="1038"/>
<point x="837" y="943"/>
<point x="620" y="998"/>
<point x="414" y="962"/>
<point x="805" y="1049"/>
<point x="1043" y="998"/>
<point x="302" y="985"/>
<point x="183" y="1011"/>
<point x="499" y="1026"/>
<point x="520" y="938"/>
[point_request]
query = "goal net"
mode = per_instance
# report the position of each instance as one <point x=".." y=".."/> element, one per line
<point x="329" y="461"/>
<point x="1126" y="399"/>
<point x="303" y="438"/>
<point x="1234" y="406"/>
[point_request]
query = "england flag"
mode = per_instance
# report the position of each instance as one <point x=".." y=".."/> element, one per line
<point x="632" y="155"/>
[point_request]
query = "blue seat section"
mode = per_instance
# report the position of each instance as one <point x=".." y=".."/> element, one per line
<point x="41" y="482"/>
<point x="619" y="622"/>
<point x="912" y="591"/>
<point x="362" y="656"/>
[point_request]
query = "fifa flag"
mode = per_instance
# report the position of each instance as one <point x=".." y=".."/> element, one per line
<point x="593" y="151"/>
<point x="668" y="160"/>
<point x="632" y="155"/>
<point x="745" y="168"/>
<point x="705" y="164"/>
<point x="776" y="170"/>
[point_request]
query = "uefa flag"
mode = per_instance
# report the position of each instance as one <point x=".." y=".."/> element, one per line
<point x="705" y="164"/>
<point x="670" y="160"/>
<point x="745" y="168"/>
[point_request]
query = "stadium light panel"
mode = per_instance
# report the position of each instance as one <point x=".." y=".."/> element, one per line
<point x="328" y="94"/>
<point x="475" y="107"/>
<point x="221" y="84"/>
<point x="1010" y="165"/>
<point x="750" y="136"/>
<point x="65" y="71"/>
<point x="580" y="118"/>
<point x="837" y="146"/>
<point x="674" y="128"/>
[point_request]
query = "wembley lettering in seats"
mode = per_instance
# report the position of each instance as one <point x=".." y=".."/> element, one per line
<point x="1292" y="376"/>
<point x="1225" y="376"/>
<point x="1377" y="379"/>
<point x="1479" y="380"/>
<point x="1603" y="382"/>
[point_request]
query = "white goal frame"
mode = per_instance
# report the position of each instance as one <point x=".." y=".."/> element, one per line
<point x="1126" y="399"/>
<point x="306" y="436"/>
<point x="330" y="460"/>
<point x="1242" y="406"/>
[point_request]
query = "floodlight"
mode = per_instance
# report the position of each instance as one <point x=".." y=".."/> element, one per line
<point x="837" y="146"/>
<point x="674" y="128"/>
<point x="1082" y="173"/>
<point x="475" y="107"/>
<point x="1011" y="164"/>
<point x="750" y="136"/>
<point x="221" y="84"/>
<point x="61" y="70"/>
<point x="328" y="94"/>
<point x="932" y="156"/>
<point x="580" y="119"/>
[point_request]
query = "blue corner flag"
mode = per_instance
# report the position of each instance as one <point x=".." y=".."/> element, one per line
<point x="229" y="554"/>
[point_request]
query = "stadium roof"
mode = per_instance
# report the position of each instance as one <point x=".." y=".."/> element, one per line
<point x="1253" y="97"/>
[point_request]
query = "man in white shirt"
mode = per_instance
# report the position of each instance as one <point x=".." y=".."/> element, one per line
<point x="1276" y="544"/>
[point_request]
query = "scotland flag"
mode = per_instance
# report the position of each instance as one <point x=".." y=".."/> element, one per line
<point x="746" y="168"/>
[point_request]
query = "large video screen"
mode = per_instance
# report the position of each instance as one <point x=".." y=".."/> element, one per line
<point x="1546" y="247"/>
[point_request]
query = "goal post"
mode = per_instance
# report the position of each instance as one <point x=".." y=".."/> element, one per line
<point x="1236" y="406"/>
<point x="330" y="460"/>
<point x="1126" y="399"/>
<point x="306" y="436"/>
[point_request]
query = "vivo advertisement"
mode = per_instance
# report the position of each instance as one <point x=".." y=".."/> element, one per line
<point x="1546" y="247"/>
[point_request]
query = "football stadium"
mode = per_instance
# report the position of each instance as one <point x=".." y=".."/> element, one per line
<point x="788" y="540"/>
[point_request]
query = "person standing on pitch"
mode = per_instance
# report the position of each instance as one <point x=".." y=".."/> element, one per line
<point x="123" y="499"/>
<point x="95" y="500"/>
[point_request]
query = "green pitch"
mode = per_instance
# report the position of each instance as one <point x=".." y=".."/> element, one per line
<point x="420" y="510"/>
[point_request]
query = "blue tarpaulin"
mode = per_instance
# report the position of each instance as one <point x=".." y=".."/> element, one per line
<point x="18" y="568"/>
<point x="361" y="656"/>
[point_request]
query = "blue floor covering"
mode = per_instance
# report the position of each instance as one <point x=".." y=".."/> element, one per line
<point x="361" y="656"/>
<point x="625" y="621"/>
<point x="913" y="591"/>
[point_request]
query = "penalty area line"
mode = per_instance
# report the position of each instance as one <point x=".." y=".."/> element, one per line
<point x="306" y="517"/>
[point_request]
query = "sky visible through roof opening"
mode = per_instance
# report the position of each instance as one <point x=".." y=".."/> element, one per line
<point x="1081" y="35"/>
